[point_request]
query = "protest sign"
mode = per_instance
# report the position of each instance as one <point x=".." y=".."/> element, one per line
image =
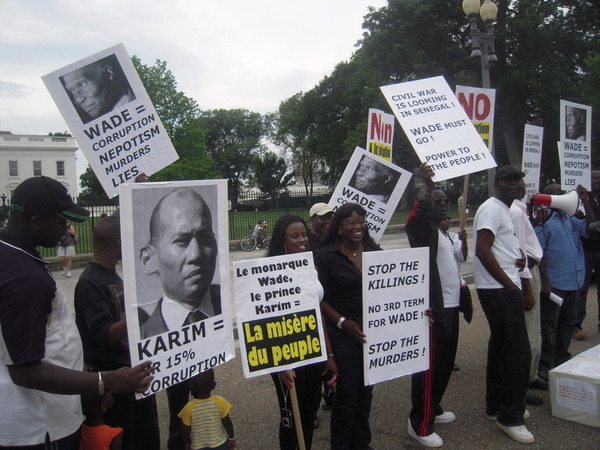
<point x="278" y="313"/>
<point x="373" y="183"/>
<point x="380" y="133"/>
<point x="438" y="127"/>
<point x="176" y="273"/>
<point x="533" y="138"/>
<point x="478" y="104"/>
<point x="395" y="297"/>
<point x="107" y="109"/>
<point x="575" y="145"/>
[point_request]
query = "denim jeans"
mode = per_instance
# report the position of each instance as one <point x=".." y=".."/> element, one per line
<point x="509" y="355"/>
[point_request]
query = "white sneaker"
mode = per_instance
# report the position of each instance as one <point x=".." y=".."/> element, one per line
<point x="68" y="273"/>
<point x="433" y="440"/>
<point x="445" y="417"/>
<point x="526" y="415"/>
<point x="519" y="433"/>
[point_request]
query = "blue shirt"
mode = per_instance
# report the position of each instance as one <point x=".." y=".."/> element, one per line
<point x="563" y="252"/>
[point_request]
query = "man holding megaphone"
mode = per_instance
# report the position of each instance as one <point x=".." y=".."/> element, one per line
<point x="562" y="271"/>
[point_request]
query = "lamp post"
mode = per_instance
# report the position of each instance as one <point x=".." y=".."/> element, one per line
<point x="482" y="44"/>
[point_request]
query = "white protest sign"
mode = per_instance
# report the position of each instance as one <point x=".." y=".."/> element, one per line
<point x="278" y="313"/>
<point x="176" y="273"/>
<point x="107" y="109"/>
<point x="533" y="138"/>
<point x="575" y="145"/>
<point x="478" y="104"/>
<point x="395" y="297"/>
<point x="438" y="127"/>
<point x="373" y="183"/>
<point x="380" y="133"/>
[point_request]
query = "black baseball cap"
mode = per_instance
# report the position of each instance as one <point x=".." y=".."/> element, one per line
<point x="43" y="196"/>
<point x="505" y="171"/>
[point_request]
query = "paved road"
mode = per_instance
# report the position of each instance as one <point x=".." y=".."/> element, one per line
<point x="255" y="410"/>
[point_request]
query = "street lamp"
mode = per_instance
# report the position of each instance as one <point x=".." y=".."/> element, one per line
<point x="482" y="44"/>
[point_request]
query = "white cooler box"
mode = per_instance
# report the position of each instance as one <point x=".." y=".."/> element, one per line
<point x="575" y="388"/>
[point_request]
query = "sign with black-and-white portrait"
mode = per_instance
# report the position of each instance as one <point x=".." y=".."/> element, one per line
<point x="175" y="266"/>
<point x="109" y="112"/>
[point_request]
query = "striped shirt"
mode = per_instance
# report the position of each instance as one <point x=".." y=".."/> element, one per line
<point x="563" y="253"/>
<point x="204" y="416"/>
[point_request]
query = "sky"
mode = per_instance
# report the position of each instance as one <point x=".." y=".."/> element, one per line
<point x="224" y="54"/>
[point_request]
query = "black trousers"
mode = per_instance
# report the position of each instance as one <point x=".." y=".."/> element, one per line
<point x="308" y="392"/>
<point x="428" y="387"/>
<point x="139" y="420"/>
<point x="558" y="326"/>
<point x="509" y="355"/>
<point x="350" y="428"/>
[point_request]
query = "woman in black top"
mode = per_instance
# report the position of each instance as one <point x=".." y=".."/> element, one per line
<point x="339" y="263"/>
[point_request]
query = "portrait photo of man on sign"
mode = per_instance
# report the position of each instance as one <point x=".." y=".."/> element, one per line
<point x="98" y="88"/>
<point x="374" y="179"/>
<point x="182" y="253"/>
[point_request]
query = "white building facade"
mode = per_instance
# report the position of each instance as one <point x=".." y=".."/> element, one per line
<point x="23" y="156"/>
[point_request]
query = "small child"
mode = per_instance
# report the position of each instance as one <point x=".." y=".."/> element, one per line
<point x="94" y="434"/>
<point x="206" y="420"/>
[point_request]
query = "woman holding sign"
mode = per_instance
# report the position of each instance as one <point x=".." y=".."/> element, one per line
<point x="339" y="263"/>
<point x="290" y="236"/>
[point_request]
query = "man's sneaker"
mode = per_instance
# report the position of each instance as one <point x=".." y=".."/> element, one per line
<point x="445" y="417"/>
<point x="433" y="440"/>
<point x="68" y="273"/>
<point x="526" y="415"/>
<point x="519" y="433"/>
<point x="579" y="335"/>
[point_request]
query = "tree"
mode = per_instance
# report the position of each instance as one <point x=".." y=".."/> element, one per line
<point x="91" y="190"/>
<point x="270" y="174"/>
<point x="179" y="114"/>
<point x="543" y="47"/>
<point x="233" y="136"/>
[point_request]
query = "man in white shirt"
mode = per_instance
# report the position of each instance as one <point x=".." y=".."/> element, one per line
<point x="496" y="272"/>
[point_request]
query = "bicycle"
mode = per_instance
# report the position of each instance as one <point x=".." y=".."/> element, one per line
<point x="255" y="240"/>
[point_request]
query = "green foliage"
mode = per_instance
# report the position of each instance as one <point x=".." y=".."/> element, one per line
<point x="179" y="114"/>
<point x="91" y="190"/>
<point x="175" y="109"/>
<point x="270" y="174"/>
<point x="233" y="136"/>
<point x="545" y="52"/>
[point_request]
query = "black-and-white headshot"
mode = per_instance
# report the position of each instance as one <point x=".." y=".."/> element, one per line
<point x="182" y="253"/>
<point x="98" y="88"/>
<point x="374" y="179"/>
<point x="575" y="122"/>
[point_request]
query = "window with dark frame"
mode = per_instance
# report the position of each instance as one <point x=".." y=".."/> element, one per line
<point x="60" y="168"/>
<point x="13" y="169"/>
<point x="37" y="168"/>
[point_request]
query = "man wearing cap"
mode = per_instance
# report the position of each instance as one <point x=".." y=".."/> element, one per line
<point x="562" y="272"/>
<point x="320" y="218"/>
<point x="496" y="271"/>
<point x="41" y="368"/>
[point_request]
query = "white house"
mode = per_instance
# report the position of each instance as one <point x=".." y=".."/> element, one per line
<point x="23" y="156"/>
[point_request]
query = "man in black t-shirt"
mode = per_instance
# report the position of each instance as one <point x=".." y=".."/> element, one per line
<point x="100" y="318"/>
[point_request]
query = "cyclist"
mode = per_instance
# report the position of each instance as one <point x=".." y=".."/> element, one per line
<point x="259" y="232"/>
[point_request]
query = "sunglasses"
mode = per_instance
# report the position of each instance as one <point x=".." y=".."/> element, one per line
<point x="438" y="201"/>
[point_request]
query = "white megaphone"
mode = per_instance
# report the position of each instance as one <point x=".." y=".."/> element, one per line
<point x="568" y="203"/>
